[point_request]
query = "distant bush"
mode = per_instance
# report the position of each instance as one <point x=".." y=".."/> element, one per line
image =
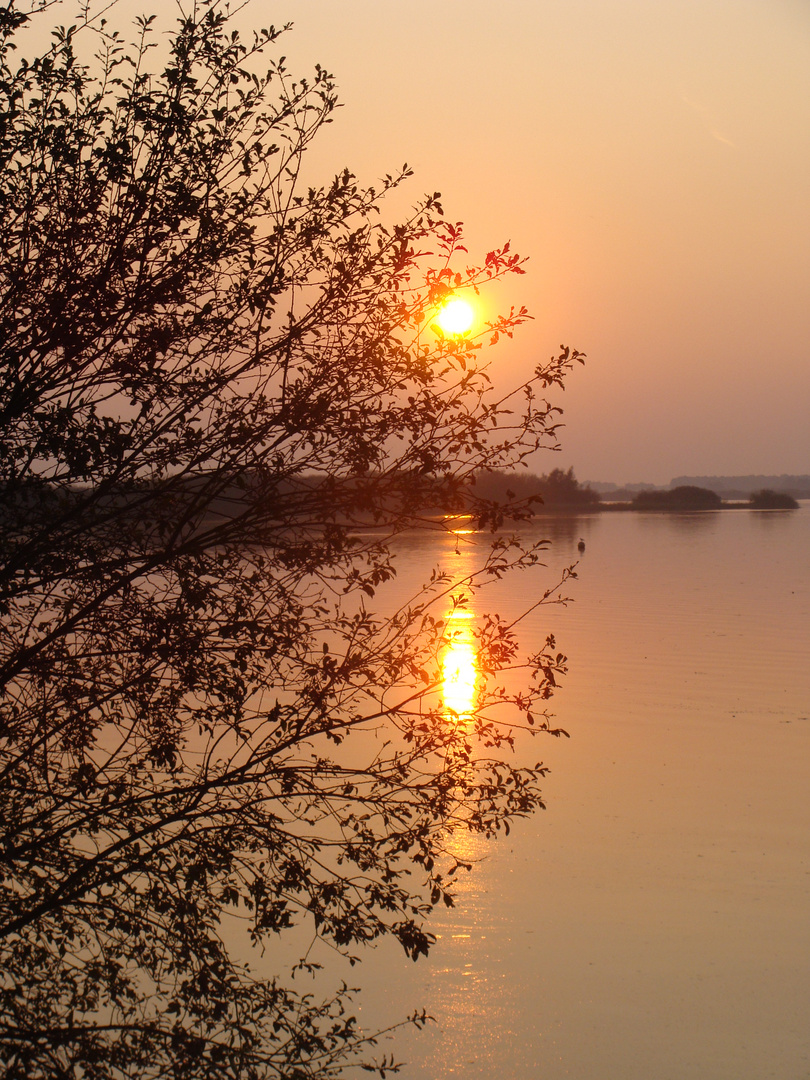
<point x="559" y="488"/>
<point x="686" y="497"/>
<point x="772" y="500"/>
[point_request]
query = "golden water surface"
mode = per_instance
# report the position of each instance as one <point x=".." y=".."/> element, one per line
<point x="654" y="922"/>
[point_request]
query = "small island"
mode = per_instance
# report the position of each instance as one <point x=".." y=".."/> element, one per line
<point x="766" y="499"/>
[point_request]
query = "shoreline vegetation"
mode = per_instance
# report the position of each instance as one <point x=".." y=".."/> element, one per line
<point x="560" y="492"/>
<point x="493" y="496"/>
<point x="680" y="503"/>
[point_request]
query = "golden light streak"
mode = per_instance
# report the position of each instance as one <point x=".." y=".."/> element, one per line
<point x="459" y="666"/>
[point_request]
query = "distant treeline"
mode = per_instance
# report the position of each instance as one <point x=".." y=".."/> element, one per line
<point x="558" y="489"/>
<point x="684" y="497"/>
<point x="741" y="487"/>
<point x="365" y="499"/>
<point x="692" y="497"/>
<point x="727" y="487"/>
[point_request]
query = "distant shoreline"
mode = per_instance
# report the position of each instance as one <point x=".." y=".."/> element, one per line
<point x="620" y="507"/>
<point x="624" y="507"/>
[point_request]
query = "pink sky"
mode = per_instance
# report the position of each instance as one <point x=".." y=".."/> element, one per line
<point x="653" y="160"/>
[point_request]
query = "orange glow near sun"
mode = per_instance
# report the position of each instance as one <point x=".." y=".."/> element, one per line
<point x="456" y="316"/>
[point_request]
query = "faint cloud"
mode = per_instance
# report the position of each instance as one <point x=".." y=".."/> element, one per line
<point x="721" y="138"/>
<point x="708" y="121"/>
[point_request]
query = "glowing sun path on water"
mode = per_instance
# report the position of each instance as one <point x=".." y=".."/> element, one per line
<point x="459" y="665"/>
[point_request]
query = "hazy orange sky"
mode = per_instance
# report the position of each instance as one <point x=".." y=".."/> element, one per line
<point x="652" y="157"/>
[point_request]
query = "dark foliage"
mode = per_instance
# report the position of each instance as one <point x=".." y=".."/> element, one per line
<point x="686" y="497"/>
<point x="772" y="500"/>
<point x="558" y="489"/>
<point x="212" y="383"/>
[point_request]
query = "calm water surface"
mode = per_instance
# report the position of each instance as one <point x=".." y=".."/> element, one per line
<point x="654" y="922"/>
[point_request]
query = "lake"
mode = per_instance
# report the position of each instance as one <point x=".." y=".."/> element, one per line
<point x="654" y="922"/>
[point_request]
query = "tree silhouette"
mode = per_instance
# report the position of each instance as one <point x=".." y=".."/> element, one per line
<point x="221" y="398"/>
<point x="684" y="497"/>
<point x="768" y="499"/>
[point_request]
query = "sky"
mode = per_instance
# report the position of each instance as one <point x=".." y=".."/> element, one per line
<point x="652" y="158"/>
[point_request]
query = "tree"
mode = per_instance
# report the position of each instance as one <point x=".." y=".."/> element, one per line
<point x="561" y="488"/>
<point x="768" y="499"/>
<point x="684" y="497"/>
<point x="221" y="398"/>
<point x="558" y="489"/>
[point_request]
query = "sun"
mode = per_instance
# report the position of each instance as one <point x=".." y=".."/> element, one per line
<point x="456" y="316"/>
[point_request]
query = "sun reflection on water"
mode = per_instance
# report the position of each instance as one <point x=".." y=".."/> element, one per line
<point x="459" y="661"/>
<point x="459" y="665"/>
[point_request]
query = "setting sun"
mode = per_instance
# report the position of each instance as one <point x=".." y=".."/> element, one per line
<point x="456" y="316"/>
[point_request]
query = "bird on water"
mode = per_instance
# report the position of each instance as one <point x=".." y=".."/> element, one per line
<point x="581" y="545"/>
